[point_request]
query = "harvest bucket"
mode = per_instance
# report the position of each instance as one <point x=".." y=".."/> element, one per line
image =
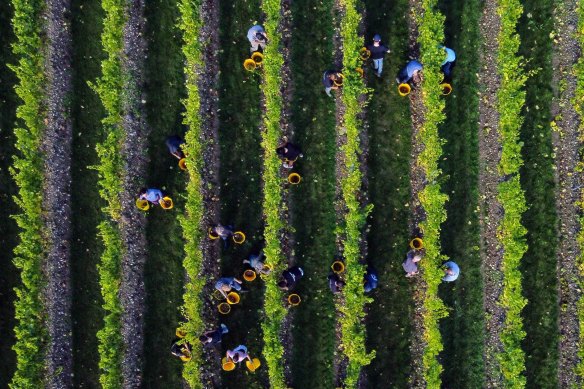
<point x="182" y="164"/>
<point x="294" y="299"/>
<point x="253" y="365"/>
<point x="258" y="58"/>
<point x="417" y="244"/>
<point x="217" y="295"/>
<point x="166" y="203"/>
<point x="143" y="205"/>
<point x="446" y="89"/>
<point x="364" y="53"/>
<point x="232" y="298"/>
<point x="338" y="81"/>
<point x="249" y="275"/>
<point x="404" y="89"/>
<point x="180" y="333"/>
<point x="187" y="357"/>
<point x="267" y="269"/>
<point x="212" y="234"/>
<point x="294" y="178"/>
<point x="224" y="308"/>
<point x="227" y="365"/>
<point x="338" y="267"/>
<point x="249" y="65"/>
<point x="238" y="237"/>
<point x="360" y="71"/>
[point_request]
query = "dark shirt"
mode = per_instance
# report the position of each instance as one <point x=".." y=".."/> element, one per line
<point x="377" y="52"/>
<point x="335" y="283"/>
<point x="326" y="81"/>
<point x="292" y="276"/>
<point x="292" y="151"/>
<point x="370" y="279"/>
<point x="178" y="350"/>
<point x="174" y="143"/>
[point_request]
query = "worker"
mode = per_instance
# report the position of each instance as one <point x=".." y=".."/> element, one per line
<point x="451" y="271"/>
<point x="328" y="80"/>
<point x="448" y="63"/>
<point x="378" y="51"/>
<point x="411" y="72"/>
<point x="256" y="262"/>
<point x="290" y="278"/>
<point x="181" y="348"/>
<point x="153" y="195"/>
<point x="257" y="38"/>
<point x="370" y="279"/>
<point x="238" y="354"/>
<point x="224" y="232"/>
<point x="289" y="152"/>
<point x="214" y="337"/>
<point x="335" y="283"/>
<point x="174" y="144"/>
<point x="225" y="284"/>
<point x="410" y="264"/>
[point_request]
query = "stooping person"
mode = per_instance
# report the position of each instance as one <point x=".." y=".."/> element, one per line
<point x="224" y="232"/>
<point x="335" y="283"/>
<point x="238" y="354"/>
<point x="448" y="63"/>
<point x="153" y="195"/>
<point x="257" y="38"/>
<point x="256" y="262"/>
<point x="290" y="278"/>
<point x="174" y="144"/>
<point x="289" y="153"/>
<point x="181" y="349"/>
<point x="214" y="337"/>
<point x="451" y="271"/>
<point x="328" y="80"/>
<point x="410" y="265"/>
<point x="226" y="284"/>
<point x="412" y="72"/>
<point x="378" y="52"/>
<point x="370" y="279"/>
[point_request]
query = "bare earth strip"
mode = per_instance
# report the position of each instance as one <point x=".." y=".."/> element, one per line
<point x="491" y="210"/>
<point x="208" y="81"/>
<point x="57" y="145"/>
<point x="566" y="146"/>
<point x="133" y="222"/>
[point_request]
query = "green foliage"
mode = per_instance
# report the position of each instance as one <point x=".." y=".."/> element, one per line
<point x="31" y="332"/>
<point x="272" y="201"/>
<point x="511" y="234"/>
<point x="193" y="231"/>
<point x="110" y="170"/>
<point x="431" y="35"/>
<point x="352" y="312"/>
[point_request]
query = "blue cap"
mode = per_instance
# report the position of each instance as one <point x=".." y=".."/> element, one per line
<point x="377" y="38"/>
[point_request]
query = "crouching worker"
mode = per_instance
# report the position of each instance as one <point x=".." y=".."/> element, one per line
<point x="174" y="144"/>
<point x="238" y="354"/>
<point x="181" y="349"/>
<point x="410" y="265"/>
<point x="335" y="283"/>
<point x="256" y="262"/>
<point x="257" y="38"/>
<point x="289" y="153"/>
<point x="412" y="72"/>
<point x="328" y="80"/>
<point x="213" y="338"/>
<point x="290" y="278"/>
<point x="451" y="271"/>
<point x="153" y="195"/>
<point x="226" y="284"/>
<point x="224" y="232"/>
<point x="370" y="279"/>
<point x="448" y="63"/>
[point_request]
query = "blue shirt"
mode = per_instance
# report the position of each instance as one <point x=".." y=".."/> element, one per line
<point x="251" y="33"/>
<point x="412" y="66"/>
<point x="174" y="143"/>
<point x="455" y="271"/>
<point x="227" y="281"/>
<point x="152" y="195"/>
<point x="370" y="280"/>
<point x="450" y="55"/>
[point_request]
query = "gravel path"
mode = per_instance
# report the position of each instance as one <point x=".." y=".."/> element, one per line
<point x="133" y="221"/>
<point x="566" y="146"/>
<point x="56" y="145"/>
<point x="492" y="212"/>
<point x="208" y="81"/>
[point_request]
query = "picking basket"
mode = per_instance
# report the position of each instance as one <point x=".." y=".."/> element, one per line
<point x="338" y="267"/>
<point x="238" y="237"/>
<point x="227" y="365"/>
<point x="404" y="89"/>
<point x="253" y="365"/>
<point x="446" y="89"/>
<point x="364" y="54"/>
<point x="294" y="299"/>
<point x="417" y="244"/>
<point x="249" y="275"/>
<point x="258" y="58"/>
<point x="294" y="178"/>
<point x="166" y="203"/>
<point x="249" y="65"/>
<point x="224" y="308"/>
<point x="233" y="298"/>
<point x="182" y="164"/>
<point x="143" y="205"/>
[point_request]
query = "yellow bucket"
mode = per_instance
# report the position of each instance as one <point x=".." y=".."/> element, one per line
<point x="180" y="333"/>
<point x="249" y="65"/>
<point x="238" y="237"/>
<point x="258" y="58"/>
<point x="266" y="268"/>
<point x="182" y="164"/>
<point x="249" y="275"/>
<point x="212" y="234"/>
<point x="338" y="267"/>
<point x="364" y="53"/>
<point x="338" y="81"/>
<point x="224" y="308"/>
<point x="360" y="71"/>
<point x="166" y="203"/>
<point x="294" y="178"/>
<point x="417" y="244"/>
<point x="446" y="89"/>
<point x="294" y="299"/>
<point x="143" y="205"/>
<point x="253" y="365"/>
<point x="227" y="365"/>
<point x="404" y="89"/>
<point x="232" y="298"/>
<point x="187" y="357"/>
<point x="217" y="295"/>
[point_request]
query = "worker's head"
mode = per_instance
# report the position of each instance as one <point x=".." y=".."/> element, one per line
<point x="417" y="258"/>
<point x="260" y="37"/>
<point x="282" y="284"/>
<point x="205" y="339"/>
<point x="417" y="76"/>
<point x="376" y="40"/>
<point x="143" y="191"/>
<point x="225" y="287"/>
<point x="281" y="151"/>
<point x="449" y="271"/>
<point x="236" y="357"/>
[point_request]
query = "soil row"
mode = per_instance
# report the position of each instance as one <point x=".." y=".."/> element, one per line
<point x="567" y="145"/>
<point x="492" y="211"/>
<point x="57" y="148"/>
<point x="133" y="222"/>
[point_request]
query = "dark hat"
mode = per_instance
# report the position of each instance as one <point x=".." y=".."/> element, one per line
<point x="377" y="38"/>
<point x="260" y="36"/>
